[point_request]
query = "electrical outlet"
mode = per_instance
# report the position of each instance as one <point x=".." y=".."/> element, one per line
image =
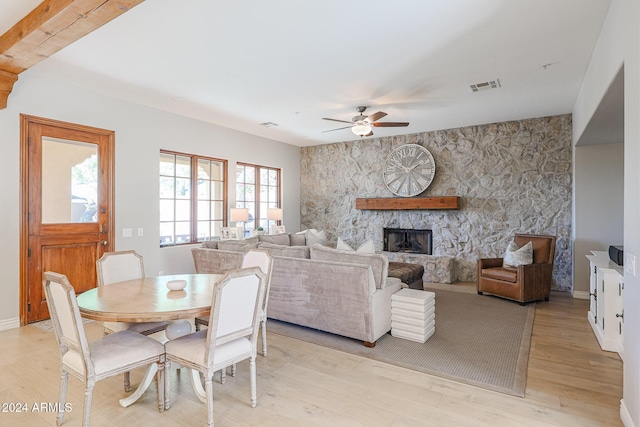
<point x="140" y="232"/>
<point x="160" y="273"/>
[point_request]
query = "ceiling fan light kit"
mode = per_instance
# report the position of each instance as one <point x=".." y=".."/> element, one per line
<point x="363" y="125"/>
<point x="362" y="129"/>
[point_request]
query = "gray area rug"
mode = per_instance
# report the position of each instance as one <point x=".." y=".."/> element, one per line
<point x="479" y="340"/>
<point x="47" y="326"/>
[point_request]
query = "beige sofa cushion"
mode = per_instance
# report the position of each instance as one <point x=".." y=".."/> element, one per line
<point x="237" y="245"/>
<point x="286" y="251"/>
<point x="210" y="244"/>
<point x="379" y="263"/>
<point x="277" y="239"/>
<point x="297" y="239"/>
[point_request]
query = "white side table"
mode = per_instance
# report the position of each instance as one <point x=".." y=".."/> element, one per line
<point x="413" y="314"/>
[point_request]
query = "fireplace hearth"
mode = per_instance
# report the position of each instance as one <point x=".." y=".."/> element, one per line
<point x="408" y="240"/>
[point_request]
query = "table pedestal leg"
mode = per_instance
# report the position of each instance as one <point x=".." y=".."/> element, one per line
<point x="198" y="389"/>
<point x="144" y="385"/>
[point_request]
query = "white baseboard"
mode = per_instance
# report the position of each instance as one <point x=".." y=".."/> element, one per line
<point x="581" y="295"/>
<point x="9" y="324"/>
<point x="625" y="416"/>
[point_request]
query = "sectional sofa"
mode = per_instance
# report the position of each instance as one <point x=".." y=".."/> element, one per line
<point x="340" y="292"/>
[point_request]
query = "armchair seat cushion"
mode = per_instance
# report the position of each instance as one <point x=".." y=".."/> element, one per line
<point x="507" y="274"/>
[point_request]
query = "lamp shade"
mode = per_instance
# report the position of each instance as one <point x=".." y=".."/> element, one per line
<point x="239" y="214"/>
<point x="274" y="213"/>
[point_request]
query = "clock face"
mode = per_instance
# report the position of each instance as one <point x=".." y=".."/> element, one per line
<point x="409" y="170"/>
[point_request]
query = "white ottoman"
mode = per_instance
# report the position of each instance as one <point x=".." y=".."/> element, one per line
<point x="413" y="314"/>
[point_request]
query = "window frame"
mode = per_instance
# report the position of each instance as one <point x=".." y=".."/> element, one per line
<point x="193" y="200"/>
<point x="257" y="202"/>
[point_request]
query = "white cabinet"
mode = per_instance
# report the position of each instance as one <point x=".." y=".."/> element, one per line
<point x="606" y="314"/>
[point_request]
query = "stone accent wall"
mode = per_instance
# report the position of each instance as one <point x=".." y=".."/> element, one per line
<point x="511" y="177"/>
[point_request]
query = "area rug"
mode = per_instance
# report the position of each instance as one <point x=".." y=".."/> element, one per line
<point x="479" y="340"/>
<point x="47" y="326"/>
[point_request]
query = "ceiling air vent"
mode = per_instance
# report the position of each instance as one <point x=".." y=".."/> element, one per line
<point x="491" y="84"/>
<point x="269" y="124"/>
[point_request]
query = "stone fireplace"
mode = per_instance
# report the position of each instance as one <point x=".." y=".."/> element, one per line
<point x="408" y="240"/>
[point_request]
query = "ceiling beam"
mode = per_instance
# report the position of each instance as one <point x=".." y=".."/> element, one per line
<point x="48" y="28"/>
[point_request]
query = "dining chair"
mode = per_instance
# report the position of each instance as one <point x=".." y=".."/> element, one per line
<point x="232" y="334"/>
<point x="120" y="266"/>
<point x="93" y="361"/>
<point x="252" y="258"/>
<point x="263" y="260"/>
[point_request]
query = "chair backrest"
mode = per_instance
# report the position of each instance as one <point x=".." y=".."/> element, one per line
<point x="257" y="258"/>
<point x="235" y="309"/>
<point x="119" y="266"/>
<point x="543" y="246"/>
<point x="263" y="260"/>
<point x="66" y="320"/>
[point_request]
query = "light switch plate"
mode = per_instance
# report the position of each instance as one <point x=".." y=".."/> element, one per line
<point x="140" y="232"/>
<point x="630" y="264"/>
<point x="126" y="232"/>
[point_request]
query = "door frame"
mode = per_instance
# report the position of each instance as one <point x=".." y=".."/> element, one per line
<point x="25" y="121"/>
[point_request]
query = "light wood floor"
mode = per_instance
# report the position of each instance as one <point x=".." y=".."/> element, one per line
<point x="570" y="382"/>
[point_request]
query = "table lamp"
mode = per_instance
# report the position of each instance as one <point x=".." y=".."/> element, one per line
<point x="239" y="215"/>
<point x="274" y="214"/>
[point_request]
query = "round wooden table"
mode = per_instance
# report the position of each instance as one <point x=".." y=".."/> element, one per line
<point x="149" y="300"/>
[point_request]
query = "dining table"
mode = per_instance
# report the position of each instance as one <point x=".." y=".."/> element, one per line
<point x="149" y="299"/>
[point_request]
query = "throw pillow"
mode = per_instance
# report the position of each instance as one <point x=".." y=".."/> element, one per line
<point x="314" y="236"/>
<point x="297" y="239"/>
<point x="210" y="244"/>
<point x="366" y="248"/>
<point x="518" y="256"/>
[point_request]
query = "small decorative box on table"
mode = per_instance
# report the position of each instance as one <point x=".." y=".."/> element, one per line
<point x="413" y="314"/>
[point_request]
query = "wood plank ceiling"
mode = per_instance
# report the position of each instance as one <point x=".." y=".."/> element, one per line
<point x="48" y="28"/>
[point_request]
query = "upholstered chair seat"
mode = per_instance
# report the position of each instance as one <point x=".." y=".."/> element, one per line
<point x="231" y="336"/>
<point x="90" y="362"/>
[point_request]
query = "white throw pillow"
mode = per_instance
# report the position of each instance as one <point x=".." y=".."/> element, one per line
<point x="367" y="247"/>
<point x="518" y="256"/>
<point x="314" y="236"/>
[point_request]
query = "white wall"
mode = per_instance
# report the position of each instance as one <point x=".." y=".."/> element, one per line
<point x="140" y="133"/>
<point x="618" y="44"/>
<point x="631" y="383"/>
<point x="598" y="206"/>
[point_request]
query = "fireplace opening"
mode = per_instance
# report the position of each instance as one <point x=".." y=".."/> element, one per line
<point x="408" y="240"/>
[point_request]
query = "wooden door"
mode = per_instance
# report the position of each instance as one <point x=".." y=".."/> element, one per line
<point x="67" y="206"/>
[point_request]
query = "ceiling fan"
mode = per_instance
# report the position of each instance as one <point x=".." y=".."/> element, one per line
<point x="363" y="125"/>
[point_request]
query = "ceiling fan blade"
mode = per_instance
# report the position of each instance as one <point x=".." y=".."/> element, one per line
<point x="390" y="124"/>
<point x="331" y="130"/>
<point x="336" y="120"/>
<point x="376" y="116"/>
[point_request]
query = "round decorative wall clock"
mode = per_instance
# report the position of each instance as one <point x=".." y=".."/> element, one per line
<point x="409" y="170"/>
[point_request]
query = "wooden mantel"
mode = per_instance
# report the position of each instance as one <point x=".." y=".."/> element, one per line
<point x="409" y="203"/>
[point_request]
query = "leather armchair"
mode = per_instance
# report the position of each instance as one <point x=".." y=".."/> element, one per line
<point x="524" y="283"/>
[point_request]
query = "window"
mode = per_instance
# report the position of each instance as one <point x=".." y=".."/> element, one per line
<point x="188" y="216"/>
<point x="257" y="188"/>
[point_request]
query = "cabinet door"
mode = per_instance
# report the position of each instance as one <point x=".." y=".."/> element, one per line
<point x="620" y="310"/>
<point x="600" y="298"/>
<point x="593" y="280"/>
